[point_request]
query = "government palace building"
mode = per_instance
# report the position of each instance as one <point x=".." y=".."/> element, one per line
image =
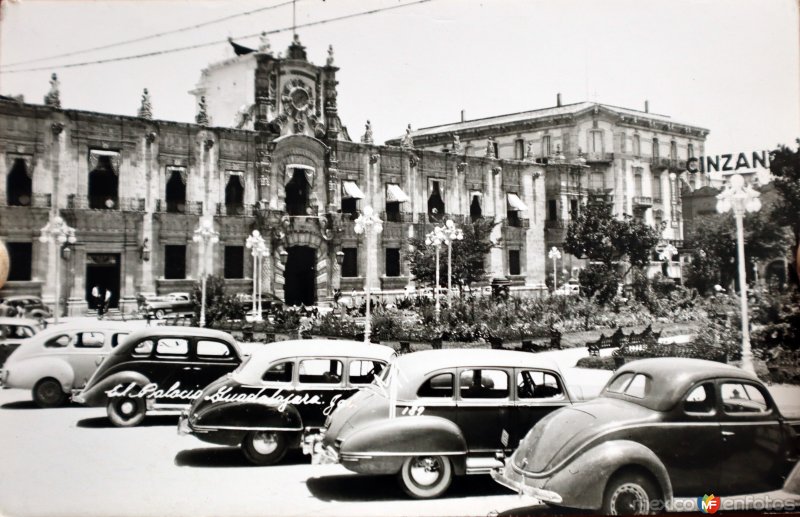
<point x="268" y="151"/>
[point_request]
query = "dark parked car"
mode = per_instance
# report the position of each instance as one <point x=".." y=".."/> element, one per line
<point x="159" y="368"/>
<point x="660" y="428"/>
<point x="27" y="306"/>
<point x="172" y="303"/>
<point x="440" y="413"/>
<point x="280" y="397"/>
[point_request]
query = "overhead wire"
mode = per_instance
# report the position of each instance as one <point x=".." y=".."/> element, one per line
<point x="148" y="37"/>
<point x="217" y="42"/>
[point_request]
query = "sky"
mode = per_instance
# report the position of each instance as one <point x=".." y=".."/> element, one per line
<point x="731" y="66"/>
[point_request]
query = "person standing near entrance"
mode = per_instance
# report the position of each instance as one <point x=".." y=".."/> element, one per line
<point x="107" y="300"/>
<point x="97" y="301"/>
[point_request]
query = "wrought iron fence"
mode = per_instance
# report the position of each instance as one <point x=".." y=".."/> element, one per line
<point x="179" y="207"/>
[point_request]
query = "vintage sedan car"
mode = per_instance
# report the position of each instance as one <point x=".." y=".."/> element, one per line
<point x="280" y="397"/>
<point x="159" y="368"/>
<point x="180" y="303"/>
<point x="661" y="428"/>
<point x="28" y="306"/>
<point x="439" y="413"/>
<point x="62" y="358"/>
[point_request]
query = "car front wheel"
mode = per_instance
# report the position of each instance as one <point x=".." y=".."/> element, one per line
<point x="126" y="411"/>
<point x="630" y="494"/>
<point x="425" y="477"/>
<point x="264" y="447"/>
<point x="48" y="393"/>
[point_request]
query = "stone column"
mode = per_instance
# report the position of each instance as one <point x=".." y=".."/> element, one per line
<point x="494" y="188"/>
<point x="74" y="272"/>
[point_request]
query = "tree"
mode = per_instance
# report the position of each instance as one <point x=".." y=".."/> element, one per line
<point x="785" y="167"/>
<point x="469" y="256"/>
<point x="219" y="306"/>
<point x="607" y="241"/>
<point x="715" y="252"/>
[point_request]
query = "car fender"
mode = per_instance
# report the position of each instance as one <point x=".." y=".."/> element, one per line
<point x="582" y="482"/>
<point x="397" y="438"/>
<point x="27" y="372"/>
<point x="97" y="394"/>
<point x="247" y="416"/>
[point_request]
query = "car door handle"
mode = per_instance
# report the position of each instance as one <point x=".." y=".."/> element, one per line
<point x="728" y="433"/>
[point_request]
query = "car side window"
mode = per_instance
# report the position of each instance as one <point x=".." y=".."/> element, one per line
<point x="60" y="341"/>
<point x="321" y="371"/>
<point x="438" y="386"/>
<point x="213" y="350"/>
<point x="364" y="372"/>
<point x="483" y="384"/>
<point x="532" y="384"/>
<point x="700" y="400"/>
<point x="143" y="348"/>
<point x="281" y="372"/>
<point x="118" y="338"/>
<point x="88" y="340"/>
<point x="639" y="386"/>
<point x="619" y="384"/>
<point x="740" y="397"/>
<point x="172" y="347"/>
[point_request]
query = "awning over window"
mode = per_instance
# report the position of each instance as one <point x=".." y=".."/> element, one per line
<point x="351" y="190"/>
<point x="515" y="203"/>
<point x="394" y="194"/>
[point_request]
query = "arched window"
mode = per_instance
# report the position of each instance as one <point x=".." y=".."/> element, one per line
<point x="475" y="210"/>
<point x="176" y="192"/>
<point x="297" y="193"/>
<point x="103" y="185"/>
<point x="234" y="194"/>
<point x="19" y="186"/>
<point x="435" y="203"/>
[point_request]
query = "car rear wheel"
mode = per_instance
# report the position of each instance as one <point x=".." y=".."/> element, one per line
<point x="264" y="447"/>
<point x="160" y="314"/>
<point x="630" y="494"/>
<point x="126" y="411"/>
<point x="425" y="477"/>
<point x="48" y="393"/>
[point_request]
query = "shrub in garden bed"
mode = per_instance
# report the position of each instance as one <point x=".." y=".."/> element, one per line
<point x="596" y="363"/>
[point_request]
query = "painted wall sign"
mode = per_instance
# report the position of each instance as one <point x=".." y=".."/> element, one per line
<point x="729" y="162"/>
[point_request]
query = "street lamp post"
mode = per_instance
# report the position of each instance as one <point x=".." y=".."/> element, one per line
<point x="741" y="198"/>
<point x="554" y="255"/>
<point x="204" y="235"/>
<point x="435" y="239"/>
<point x="255" y="242"/>
<point x="60" y="233"/>
<point x="451" y="233"/>
<point x="368" y="223"/>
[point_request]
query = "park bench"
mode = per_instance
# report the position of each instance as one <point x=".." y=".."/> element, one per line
<point x="620" y="340"/>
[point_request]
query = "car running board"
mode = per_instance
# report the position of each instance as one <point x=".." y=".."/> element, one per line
<point x="482" y="465"/>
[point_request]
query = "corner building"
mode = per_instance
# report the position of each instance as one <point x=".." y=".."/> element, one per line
<point x="135" y="188"/>
<point x="633" y="159"/>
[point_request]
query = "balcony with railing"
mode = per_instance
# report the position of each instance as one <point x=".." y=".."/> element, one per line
<point x="658" y="162"/>
<point x="235" y="210"/>
<point x="642" y="201"/>
<point x="423" y="217"/>
<point x="599" y="157"/>
<point x="397" y="217"/>
<point x="106" y="203"/>
<point x="29" y="201"/>
<point x="164" y="206"/>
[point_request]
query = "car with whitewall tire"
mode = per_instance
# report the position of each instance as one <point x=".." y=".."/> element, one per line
<point x="281" y="396"/>
<point x="159" y="369"/>
<point x="437" y="414"/>
<point x="62" y="358"/>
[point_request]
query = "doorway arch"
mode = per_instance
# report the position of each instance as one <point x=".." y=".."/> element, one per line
<point x="299" y="276"/>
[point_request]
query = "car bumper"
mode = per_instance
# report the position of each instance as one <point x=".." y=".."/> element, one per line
<point x="183" y="424"/>
<point x="320" y="454"/>
<point x="76" y="397"/>
<point x="528" y="487"/>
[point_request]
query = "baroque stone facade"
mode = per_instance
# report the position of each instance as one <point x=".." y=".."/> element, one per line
<point x="134" y="188"/>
